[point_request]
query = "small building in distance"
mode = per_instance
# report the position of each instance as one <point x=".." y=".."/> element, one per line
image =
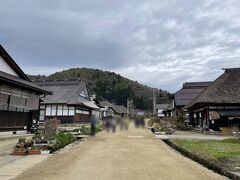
<point x="164" y="110"/>
<point x="189" y="91"/>
<point x="70" y="102"/>
<point x="161" y="110"/>
<point x="109" y="109"/>
<point x="19" y="98"/>
<point x="218" y="106"/>
<point x="121" y="110"/>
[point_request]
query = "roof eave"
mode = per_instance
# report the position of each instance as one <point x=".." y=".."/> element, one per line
<point x="41" y="91"/>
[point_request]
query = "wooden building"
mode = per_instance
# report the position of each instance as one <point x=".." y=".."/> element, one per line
<point x="121" y="110"/>
<point x="189" y="91"/>
<point x="161" y="110"/>
<point x="164" y="110"/>
<point x="109" y="110"/>
<point x="19" y="97"/>
<point x="70" y="102"/>
<point x="219" y="104"/>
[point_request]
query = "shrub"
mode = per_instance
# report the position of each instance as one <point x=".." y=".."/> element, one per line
<point x="85" y="130"/>
<point x="63" y="139"/>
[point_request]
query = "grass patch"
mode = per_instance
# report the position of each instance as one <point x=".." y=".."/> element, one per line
<point x="212" y="149"/>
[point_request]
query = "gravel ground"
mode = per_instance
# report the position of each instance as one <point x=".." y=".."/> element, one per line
<point x="134" y="154"/>
<point x="7" y="144"/>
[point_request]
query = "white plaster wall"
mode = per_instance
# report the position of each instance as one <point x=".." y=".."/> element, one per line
<point x="6" y="68"/>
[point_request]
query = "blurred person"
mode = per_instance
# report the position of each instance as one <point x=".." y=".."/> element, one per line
<point x="93" y="122"/>
<point x="121" y="122"/>
<point x="108" y="124"/>
<point x="114" y="124"/>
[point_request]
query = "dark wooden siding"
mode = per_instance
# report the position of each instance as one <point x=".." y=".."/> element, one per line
<point x="82" y="118"/>
<point x="63" y="119"/>
<point x="14" y="120"/>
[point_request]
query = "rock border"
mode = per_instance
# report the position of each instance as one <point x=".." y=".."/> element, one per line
<point x="202" y="161"/>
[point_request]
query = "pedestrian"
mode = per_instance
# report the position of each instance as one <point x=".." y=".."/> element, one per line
<point x="108" y="124"/>
<point x="114" y="124"/>
<point x="93" y="122"/>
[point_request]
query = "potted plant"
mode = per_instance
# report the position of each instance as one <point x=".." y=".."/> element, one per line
<point x="19" y="151"/>
<point x="33" y="150"/>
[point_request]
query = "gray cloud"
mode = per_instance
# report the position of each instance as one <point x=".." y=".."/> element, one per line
<point x="159" y="43"/>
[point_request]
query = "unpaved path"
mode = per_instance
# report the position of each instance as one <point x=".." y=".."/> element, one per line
<point x="126" y="155"/>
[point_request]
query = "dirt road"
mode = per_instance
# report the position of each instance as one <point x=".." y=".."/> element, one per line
<point x="126" y="155"/>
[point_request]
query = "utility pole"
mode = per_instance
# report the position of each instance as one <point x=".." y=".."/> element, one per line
<point x="154" y="102"/>
<point x="128" y="107"/>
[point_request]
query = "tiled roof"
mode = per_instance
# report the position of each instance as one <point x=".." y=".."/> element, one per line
<point x="189" y="91"/>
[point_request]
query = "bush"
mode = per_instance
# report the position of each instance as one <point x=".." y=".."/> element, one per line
<point x="85" y="130"/>
<point x="63" y="139"/>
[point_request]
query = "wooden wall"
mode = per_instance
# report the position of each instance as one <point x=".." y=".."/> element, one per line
<point x="14" y="120"/>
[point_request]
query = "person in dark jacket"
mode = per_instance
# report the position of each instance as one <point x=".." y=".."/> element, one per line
<point x="93" y="122"/>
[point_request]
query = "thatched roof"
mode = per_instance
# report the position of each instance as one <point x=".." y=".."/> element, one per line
<point x="117" y="108"/>
<point x="121" y="109"/>
<point x="106" y="104"/>
<point x="67" y="92"/>
<point x="224" y="90"/>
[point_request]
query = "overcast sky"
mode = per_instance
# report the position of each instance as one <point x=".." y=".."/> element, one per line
<point x="160" y="43"/>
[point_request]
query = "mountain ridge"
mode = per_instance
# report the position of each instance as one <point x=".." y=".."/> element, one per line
<point x="111" y="86"/>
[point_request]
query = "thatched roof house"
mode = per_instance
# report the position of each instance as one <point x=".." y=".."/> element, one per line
<point x="121" y="109"/>
<point x="224" y="90"/>
<point x="70" y="101"/>
<point x="221" y="100"/>
<point x="109" y="109"/>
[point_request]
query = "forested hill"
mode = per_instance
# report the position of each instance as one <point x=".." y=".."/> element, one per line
<point x="111" y="86"/>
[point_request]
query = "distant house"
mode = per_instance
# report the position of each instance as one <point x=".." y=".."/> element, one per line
<point x="219" y="104"/>
<point x="70" y="102"/>
<point x="189" y="91"/>
<point x="19" y="97"/>
<point x="121" y="110"/>
<point x="109" y="110"/>
<point x="169" y="110"/>
<point x="161" y="109"/>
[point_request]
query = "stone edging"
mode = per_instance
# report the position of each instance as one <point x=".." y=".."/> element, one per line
<point x="204" y="162"/>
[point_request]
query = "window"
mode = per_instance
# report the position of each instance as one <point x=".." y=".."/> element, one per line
<point x="71" y="111"/>
<point x="12" y="108"/>
<point x="200" y="114"/>
<point x="54" y="110"/>
<point x="4" y="107"/>
<point x="41" y="117"/>
<point x="60" y="110"/>
<point x="48" y="110"/>
<point x="83" y="94"/>
<point x="65" y="110"/>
